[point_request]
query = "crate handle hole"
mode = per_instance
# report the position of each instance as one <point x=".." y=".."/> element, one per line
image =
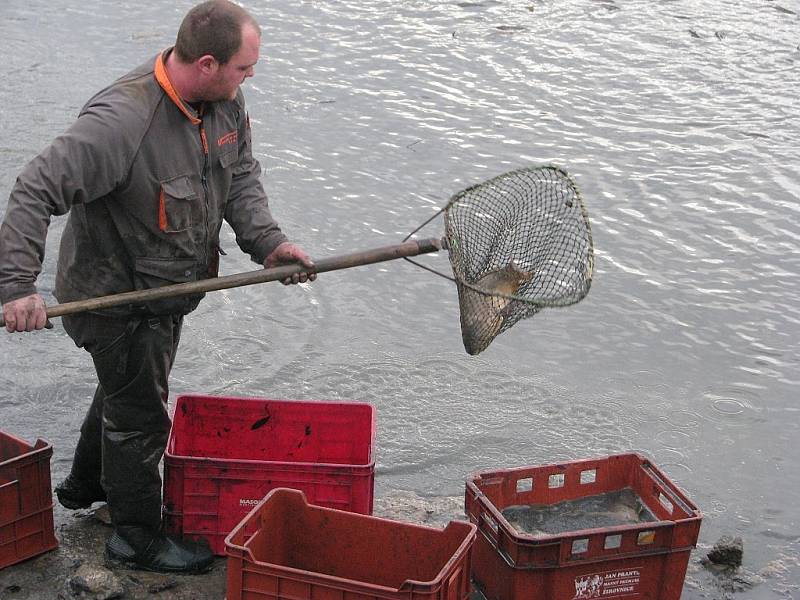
<point x="612" y="541"/>
<point x="588" y="476"/>
<point x="664" y="501"/>
<point x="580" y="546"/>
<point x="524" y="485"/>
<point x="646" y="537"/>
<point x="555" y="481"/>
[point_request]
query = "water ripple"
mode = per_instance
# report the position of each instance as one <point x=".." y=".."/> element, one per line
<point x="679" y="122"/>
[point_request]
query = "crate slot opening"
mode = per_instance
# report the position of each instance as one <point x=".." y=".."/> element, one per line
<point x="580" y="546"/>
<point x="646" y="538"/>
<point x="588" y="476"/>
<point x="524" y="485"/>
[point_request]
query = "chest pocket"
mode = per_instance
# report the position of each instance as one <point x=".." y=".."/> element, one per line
<point x="176" y="205"/>
<point x="229" y="158"/>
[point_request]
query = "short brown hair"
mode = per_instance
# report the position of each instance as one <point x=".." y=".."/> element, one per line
<point x="213" y="27"/>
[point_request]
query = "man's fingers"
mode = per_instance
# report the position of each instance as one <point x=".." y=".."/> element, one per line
<point x="29" y="321"/>
<point x="25" y="314"/>
<point x="34" y="315"/>
<point x="39" y="319"/>
<point x="289" y="253"/>
<point x="16" y="322"/>
<point x="301" y="277"/>
<point x="20" y="323"/>
<point x="307" y="277"/>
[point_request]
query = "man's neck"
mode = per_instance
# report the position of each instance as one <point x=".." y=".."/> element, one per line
<point x="181" y="77"/>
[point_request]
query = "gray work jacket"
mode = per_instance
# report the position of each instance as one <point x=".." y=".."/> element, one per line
<point x="147" y="181"/>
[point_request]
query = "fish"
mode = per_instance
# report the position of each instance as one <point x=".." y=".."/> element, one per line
<point x="483" y="315"/>
<point x="505" y="281"/>
<point x="611" y="509"/>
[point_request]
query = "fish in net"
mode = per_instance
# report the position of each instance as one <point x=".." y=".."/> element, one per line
<point x="518" y="243"/>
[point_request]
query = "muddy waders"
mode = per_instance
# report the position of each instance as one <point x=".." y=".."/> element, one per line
<point x="124" y="435"/>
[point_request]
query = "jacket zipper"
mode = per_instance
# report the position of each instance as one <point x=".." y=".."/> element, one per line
<point x="204" y="180"/>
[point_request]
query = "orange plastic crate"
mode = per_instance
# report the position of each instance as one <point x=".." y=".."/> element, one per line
<point x="225" y="453"/>
<point x="635" y="562"/>
<point x="305" y="552"/>
<point x="26" y="500"/>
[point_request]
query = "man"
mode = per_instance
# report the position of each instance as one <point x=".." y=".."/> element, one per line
<point x="147" y="173"/>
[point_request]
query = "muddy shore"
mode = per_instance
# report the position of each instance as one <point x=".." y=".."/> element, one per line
<point x="78" y="570"/>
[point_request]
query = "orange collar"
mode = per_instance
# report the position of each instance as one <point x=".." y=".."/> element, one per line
<point x="163" y="80"/>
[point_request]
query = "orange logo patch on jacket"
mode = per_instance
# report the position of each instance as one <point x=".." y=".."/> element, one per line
<point x="229" y="138"/>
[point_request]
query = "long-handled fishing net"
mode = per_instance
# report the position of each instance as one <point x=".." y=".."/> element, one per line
<point x="518" y="243"/>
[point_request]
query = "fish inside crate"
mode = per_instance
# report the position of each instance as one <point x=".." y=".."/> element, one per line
<point x="610" y="509"/>
<point x="608" y="527"/>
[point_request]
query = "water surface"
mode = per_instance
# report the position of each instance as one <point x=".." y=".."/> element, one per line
<point x="679" y="121"/>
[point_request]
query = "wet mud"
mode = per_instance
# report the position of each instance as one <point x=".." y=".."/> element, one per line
<point x="78" y="569"/>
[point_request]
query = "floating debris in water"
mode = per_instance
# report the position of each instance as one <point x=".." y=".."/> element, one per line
<point x="783" y="10"/>
<point x="511" y="28"/>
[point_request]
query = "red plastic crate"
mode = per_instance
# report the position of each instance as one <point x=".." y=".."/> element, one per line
<point x="26" y="500"/>
<point x="224" y="454"/>
<point x="637" y="561"/>
<point x="304" y="552"/>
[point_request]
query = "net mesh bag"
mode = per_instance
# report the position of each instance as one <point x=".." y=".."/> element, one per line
<point x="518" y="243"/>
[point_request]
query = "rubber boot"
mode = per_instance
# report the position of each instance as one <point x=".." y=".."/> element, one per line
<point x="140" y="548"/>
<point x="82" y="486"/>
<point x="74" y="493"/>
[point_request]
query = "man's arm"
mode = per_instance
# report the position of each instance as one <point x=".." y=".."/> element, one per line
<point x="257" y="232"/>
<point x="84" y="163"/>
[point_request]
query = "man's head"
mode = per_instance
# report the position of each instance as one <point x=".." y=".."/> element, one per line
<point x="221" y="40"/>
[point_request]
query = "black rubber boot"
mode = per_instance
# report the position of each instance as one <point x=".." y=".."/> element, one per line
<point x="140" y="548"/>
<point x="74" y="493"/>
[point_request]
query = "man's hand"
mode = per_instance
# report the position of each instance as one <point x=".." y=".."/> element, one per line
<point x="287" y="252"/>
<point x="25" y="314"/>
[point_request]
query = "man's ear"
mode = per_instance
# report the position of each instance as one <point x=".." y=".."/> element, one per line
<point x="207" y="64"/>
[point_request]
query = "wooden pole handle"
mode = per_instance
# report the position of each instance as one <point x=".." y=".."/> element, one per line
<point x="334" y="263"/>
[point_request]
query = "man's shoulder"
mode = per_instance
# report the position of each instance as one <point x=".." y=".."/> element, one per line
<point x="131" y="98"/>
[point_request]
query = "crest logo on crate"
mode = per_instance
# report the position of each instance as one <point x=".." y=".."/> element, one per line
<point x="588" y="587"/>
<point x="611" y="584"/>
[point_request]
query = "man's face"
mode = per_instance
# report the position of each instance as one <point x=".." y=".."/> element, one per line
<point x="225" y="82"/>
